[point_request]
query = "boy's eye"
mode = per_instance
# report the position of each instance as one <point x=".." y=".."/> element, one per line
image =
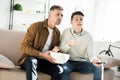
<point x="81" y="19"/>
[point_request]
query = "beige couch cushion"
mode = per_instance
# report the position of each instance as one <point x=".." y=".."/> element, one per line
<point x="5" y="62"/>
<point x="10" y="44"/>
<point x="18" y="74"/>
<point x="108" y="75"/>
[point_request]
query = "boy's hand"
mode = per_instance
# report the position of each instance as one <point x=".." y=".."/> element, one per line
<point x="72" y="43"/>
<point x="55" y="49"/>
<point x="95" y="62"/>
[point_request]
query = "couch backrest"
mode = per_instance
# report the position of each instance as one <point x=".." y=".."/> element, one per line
<point x="10" y="44"/>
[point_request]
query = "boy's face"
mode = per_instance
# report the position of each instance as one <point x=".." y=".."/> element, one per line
<point x="77" y="21"/>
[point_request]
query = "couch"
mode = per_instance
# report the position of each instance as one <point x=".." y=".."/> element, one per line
<point x="10" y="48"/>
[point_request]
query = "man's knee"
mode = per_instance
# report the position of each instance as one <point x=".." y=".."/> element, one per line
<point x="30" y="61"/>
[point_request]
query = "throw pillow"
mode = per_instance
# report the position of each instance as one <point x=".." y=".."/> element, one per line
<point x="5" y="62"/>
<point x="110" y="61"/>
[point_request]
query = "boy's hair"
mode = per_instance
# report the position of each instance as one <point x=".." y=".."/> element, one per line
<point x="56" y="7"/>
<point x="76" y="13"/>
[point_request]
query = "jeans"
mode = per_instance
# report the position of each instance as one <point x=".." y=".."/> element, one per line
<point x="31" y="65"/>
<point x="83" y="67"/>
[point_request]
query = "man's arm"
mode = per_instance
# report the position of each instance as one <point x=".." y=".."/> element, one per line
<point x="27" y="43"/>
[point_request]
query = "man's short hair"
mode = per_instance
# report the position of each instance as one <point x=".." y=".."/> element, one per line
<point x="76" y="13"/>
<point x="56" y="7"/>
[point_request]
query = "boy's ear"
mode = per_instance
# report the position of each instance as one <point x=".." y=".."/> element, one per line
<point x="71" y="21"/>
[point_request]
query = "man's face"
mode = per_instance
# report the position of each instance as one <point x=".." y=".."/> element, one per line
<point x="77" y="21"/>
<point x="56" y="16"/>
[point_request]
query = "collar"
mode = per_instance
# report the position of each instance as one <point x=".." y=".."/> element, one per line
<point x="81" y="33"/>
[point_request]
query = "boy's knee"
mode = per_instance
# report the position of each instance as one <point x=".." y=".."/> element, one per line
<point x="66" y="69"/>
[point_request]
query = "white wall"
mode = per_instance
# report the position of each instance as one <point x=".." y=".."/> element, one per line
<point x="4" y="14"/>
<point x="107" y="20"/>
<point x="104" y="45"/>
<point x="86" y="6"/>
<point x="101" y="16"/>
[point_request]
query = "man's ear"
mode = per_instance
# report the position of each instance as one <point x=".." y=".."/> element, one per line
<point x="49" y="14"/>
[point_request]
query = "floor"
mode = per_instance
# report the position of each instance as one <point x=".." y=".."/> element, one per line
<point x="117" y="74"/>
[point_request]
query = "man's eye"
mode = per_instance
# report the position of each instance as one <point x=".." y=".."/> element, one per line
<point x="60" y="15"/>
<point x="76" y="19"/>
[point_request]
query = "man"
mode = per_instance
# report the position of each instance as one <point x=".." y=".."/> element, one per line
<point x="42" y="38"/>
<point x="78" y="43"/>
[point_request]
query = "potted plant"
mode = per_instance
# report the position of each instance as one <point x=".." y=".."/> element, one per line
<point x="18" y="7"/>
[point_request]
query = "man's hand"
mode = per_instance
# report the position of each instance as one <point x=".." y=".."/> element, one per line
<point x="46" y="56"/>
